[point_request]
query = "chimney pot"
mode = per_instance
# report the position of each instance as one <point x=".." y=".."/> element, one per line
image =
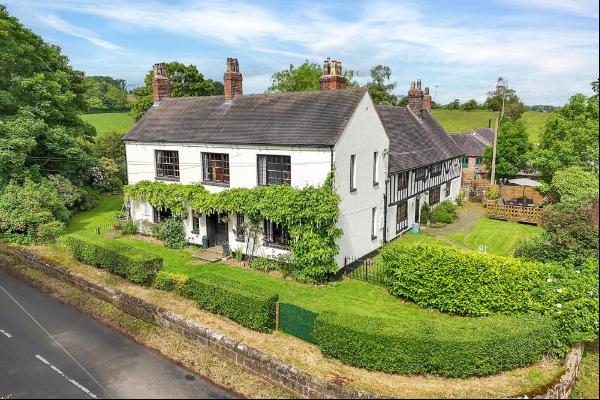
<point x="232" y="79"/>
<point x="332" y="77"/>
<point x="161" y="85"/>
<point x="427" y="100"/>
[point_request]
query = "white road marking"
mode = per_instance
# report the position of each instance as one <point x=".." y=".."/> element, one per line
<point x="72" y="381"/>
<point x="8" y="335"/>
<point x="52" y="337"/>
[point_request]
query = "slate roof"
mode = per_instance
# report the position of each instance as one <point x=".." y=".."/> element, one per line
<point x="474" y="143"/>
<point x="302" y="118"/>
<point x="415" y="143"/>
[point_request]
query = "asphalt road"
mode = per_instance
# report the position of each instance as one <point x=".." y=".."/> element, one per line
<point x="50" y="350"/>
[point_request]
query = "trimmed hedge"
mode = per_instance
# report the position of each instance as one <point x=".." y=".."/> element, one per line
<point x="250" y="306"/>
<point x="171" y="282"/>
<point x="116" y="257"/>
<point x="460" y="282"/>
<point x="453" y="347"/>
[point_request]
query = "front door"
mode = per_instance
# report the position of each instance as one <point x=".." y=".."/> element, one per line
<point x="217" y="229"/>
<point x="417" y="209"/>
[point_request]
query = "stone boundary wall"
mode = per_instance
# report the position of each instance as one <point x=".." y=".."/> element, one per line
<point x="262" y="364"/>
<point x="564" y="385"/>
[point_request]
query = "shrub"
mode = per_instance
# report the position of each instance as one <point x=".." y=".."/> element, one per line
<point x="170" y="231"/>
<point x="171" y="282"/>
<point x="454" y="347"/>
<point x="116" y="257"/>
<point x="425" y="215"/>
<point x="250" y="306"/>
<point x="263" y="264"/>
<point x="49" y="231"/>
<point x="445" y="212"/>
<point x="476" y="284"/>
<point x="458" y="281"/>
<point x="492" y="193"/>
<point x="130" y="228"/>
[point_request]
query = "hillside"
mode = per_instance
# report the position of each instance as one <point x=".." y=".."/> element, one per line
<point x="464" y="121"/>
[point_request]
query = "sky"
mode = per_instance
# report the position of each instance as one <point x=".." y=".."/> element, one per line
<point x="547" y="50"/>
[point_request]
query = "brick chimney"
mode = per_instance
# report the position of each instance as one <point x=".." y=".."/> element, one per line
<point x="161" y="86"/>
<point x="415" y="97"/>
<point x="232" y="79"/>
<point x="332" y="77"/>
<point x="427" y="100"/>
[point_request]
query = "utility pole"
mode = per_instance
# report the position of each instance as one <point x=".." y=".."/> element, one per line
<point x="498" y="121"/>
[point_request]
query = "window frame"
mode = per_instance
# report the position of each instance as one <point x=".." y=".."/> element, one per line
<point x="479" y="161"/>
<point x="269" y="160"/>
<point x="160" y="163"/>
<point x="375" y="168"/>
<point x="240" y="234"/>
<point x="418" y="176"/>
<point x="208" y="175"/>
<point x="402" y="180"/>
<point x="195" y="223"/>
<point x="373" y="223"/>
<point x="435" y="170"/>
<point x="353" y="187"/>
<point x="269" y="240"/>
<point x="465" y="162"/>
<point x="403" y="205"/>
<point x="448" y="189"/>
<point x="436" y="198"/>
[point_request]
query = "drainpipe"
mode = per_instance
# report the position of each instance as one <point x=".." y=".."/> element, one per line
<point x="331" y="150"/>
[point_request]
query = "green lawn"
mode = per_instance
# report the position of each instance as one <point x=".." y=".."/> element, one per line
<point x="349" y="295"/>
<point x="105" y="122"/>
<point x="499" y="237"/>
<point x="464" y="121"/>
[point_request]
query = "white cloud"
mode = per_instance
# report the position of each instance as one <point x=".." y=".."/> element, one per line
<point x="398" y="34"/>
<point x="61" y="25"/>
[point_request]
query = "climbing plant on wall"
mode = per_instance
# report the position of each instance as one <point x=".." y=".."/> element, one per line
<point x="308" y="213"/>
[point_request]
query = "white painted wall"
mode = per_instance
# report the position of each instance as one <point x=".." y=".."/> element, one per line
<point x="363" y="135"/>
<point x="310" y="165"/>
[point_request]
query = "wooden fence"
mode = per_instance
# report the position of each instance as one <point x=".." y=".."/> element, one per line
<point x="530" y="215"/>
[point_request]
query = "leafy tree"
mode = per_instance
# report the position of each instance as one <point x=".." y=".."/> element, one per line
<point x="185" y="80"/>
<point x="104" y="93"/>
<point x="512" y="150"/>
<point x="41" y="99"/>
<point x="573" y="187"/>
<point x="303" y="78"/>
<point x="570" y="138"/>
<point x="109" y="144"/>
<point x="513" y="106"/>
<point x="380" y="88"/>
<point x="470" y="105"/>
<point x="453" y="105"/>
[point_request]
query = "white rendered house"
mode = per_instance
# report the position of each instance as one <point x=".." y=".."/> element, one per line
<point x="238" y="140"/>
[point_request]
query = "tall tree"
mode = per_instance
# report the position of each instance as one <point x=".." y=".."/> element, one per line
<point x="186" y="80"/>
<point x="513" y="106"/>
<point x="470" y="105"/>
<point x="513" y="149"/>
<point x="453" y="105"/>
<point x="380" y="88"/>
<point x="302" y="79"/>
<point x="41" y="99"/>
<point x="104" y="93"/>
<point x="570" y="138"/>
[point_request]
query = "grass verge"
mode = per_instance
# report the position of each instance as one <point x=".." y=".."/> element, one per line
<point x="587" y="382"/>
<point x="105" y="122"/>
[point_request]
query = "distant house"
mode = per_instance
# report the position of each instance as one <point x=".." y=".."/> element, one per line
<point x="473" y="145"/>
<point x="388" y="160"/>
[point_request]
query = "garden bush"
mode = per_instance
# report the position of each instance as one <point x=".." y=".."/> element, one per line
<point x="478" y="284"/>
<point x="250" y="306"/>
<point x="49" y="231"/>
<point x="116" y="257"/>
<point x="170" y="231"/>
<point x="445" y="212"/>
<point x="458" y="281"/>
<point x="453" y="347"/>
<point x="425" y="215"/>
<point x="171" y="282"/>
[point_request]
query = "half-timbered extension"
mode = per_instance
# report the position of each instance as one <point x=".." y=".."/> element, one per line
<point x="424" y="162"/>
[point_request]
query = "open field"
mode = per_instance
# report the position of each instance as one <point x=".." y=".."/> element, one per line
<point x="464" y="121"/>
<point x="105" y="122"/>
